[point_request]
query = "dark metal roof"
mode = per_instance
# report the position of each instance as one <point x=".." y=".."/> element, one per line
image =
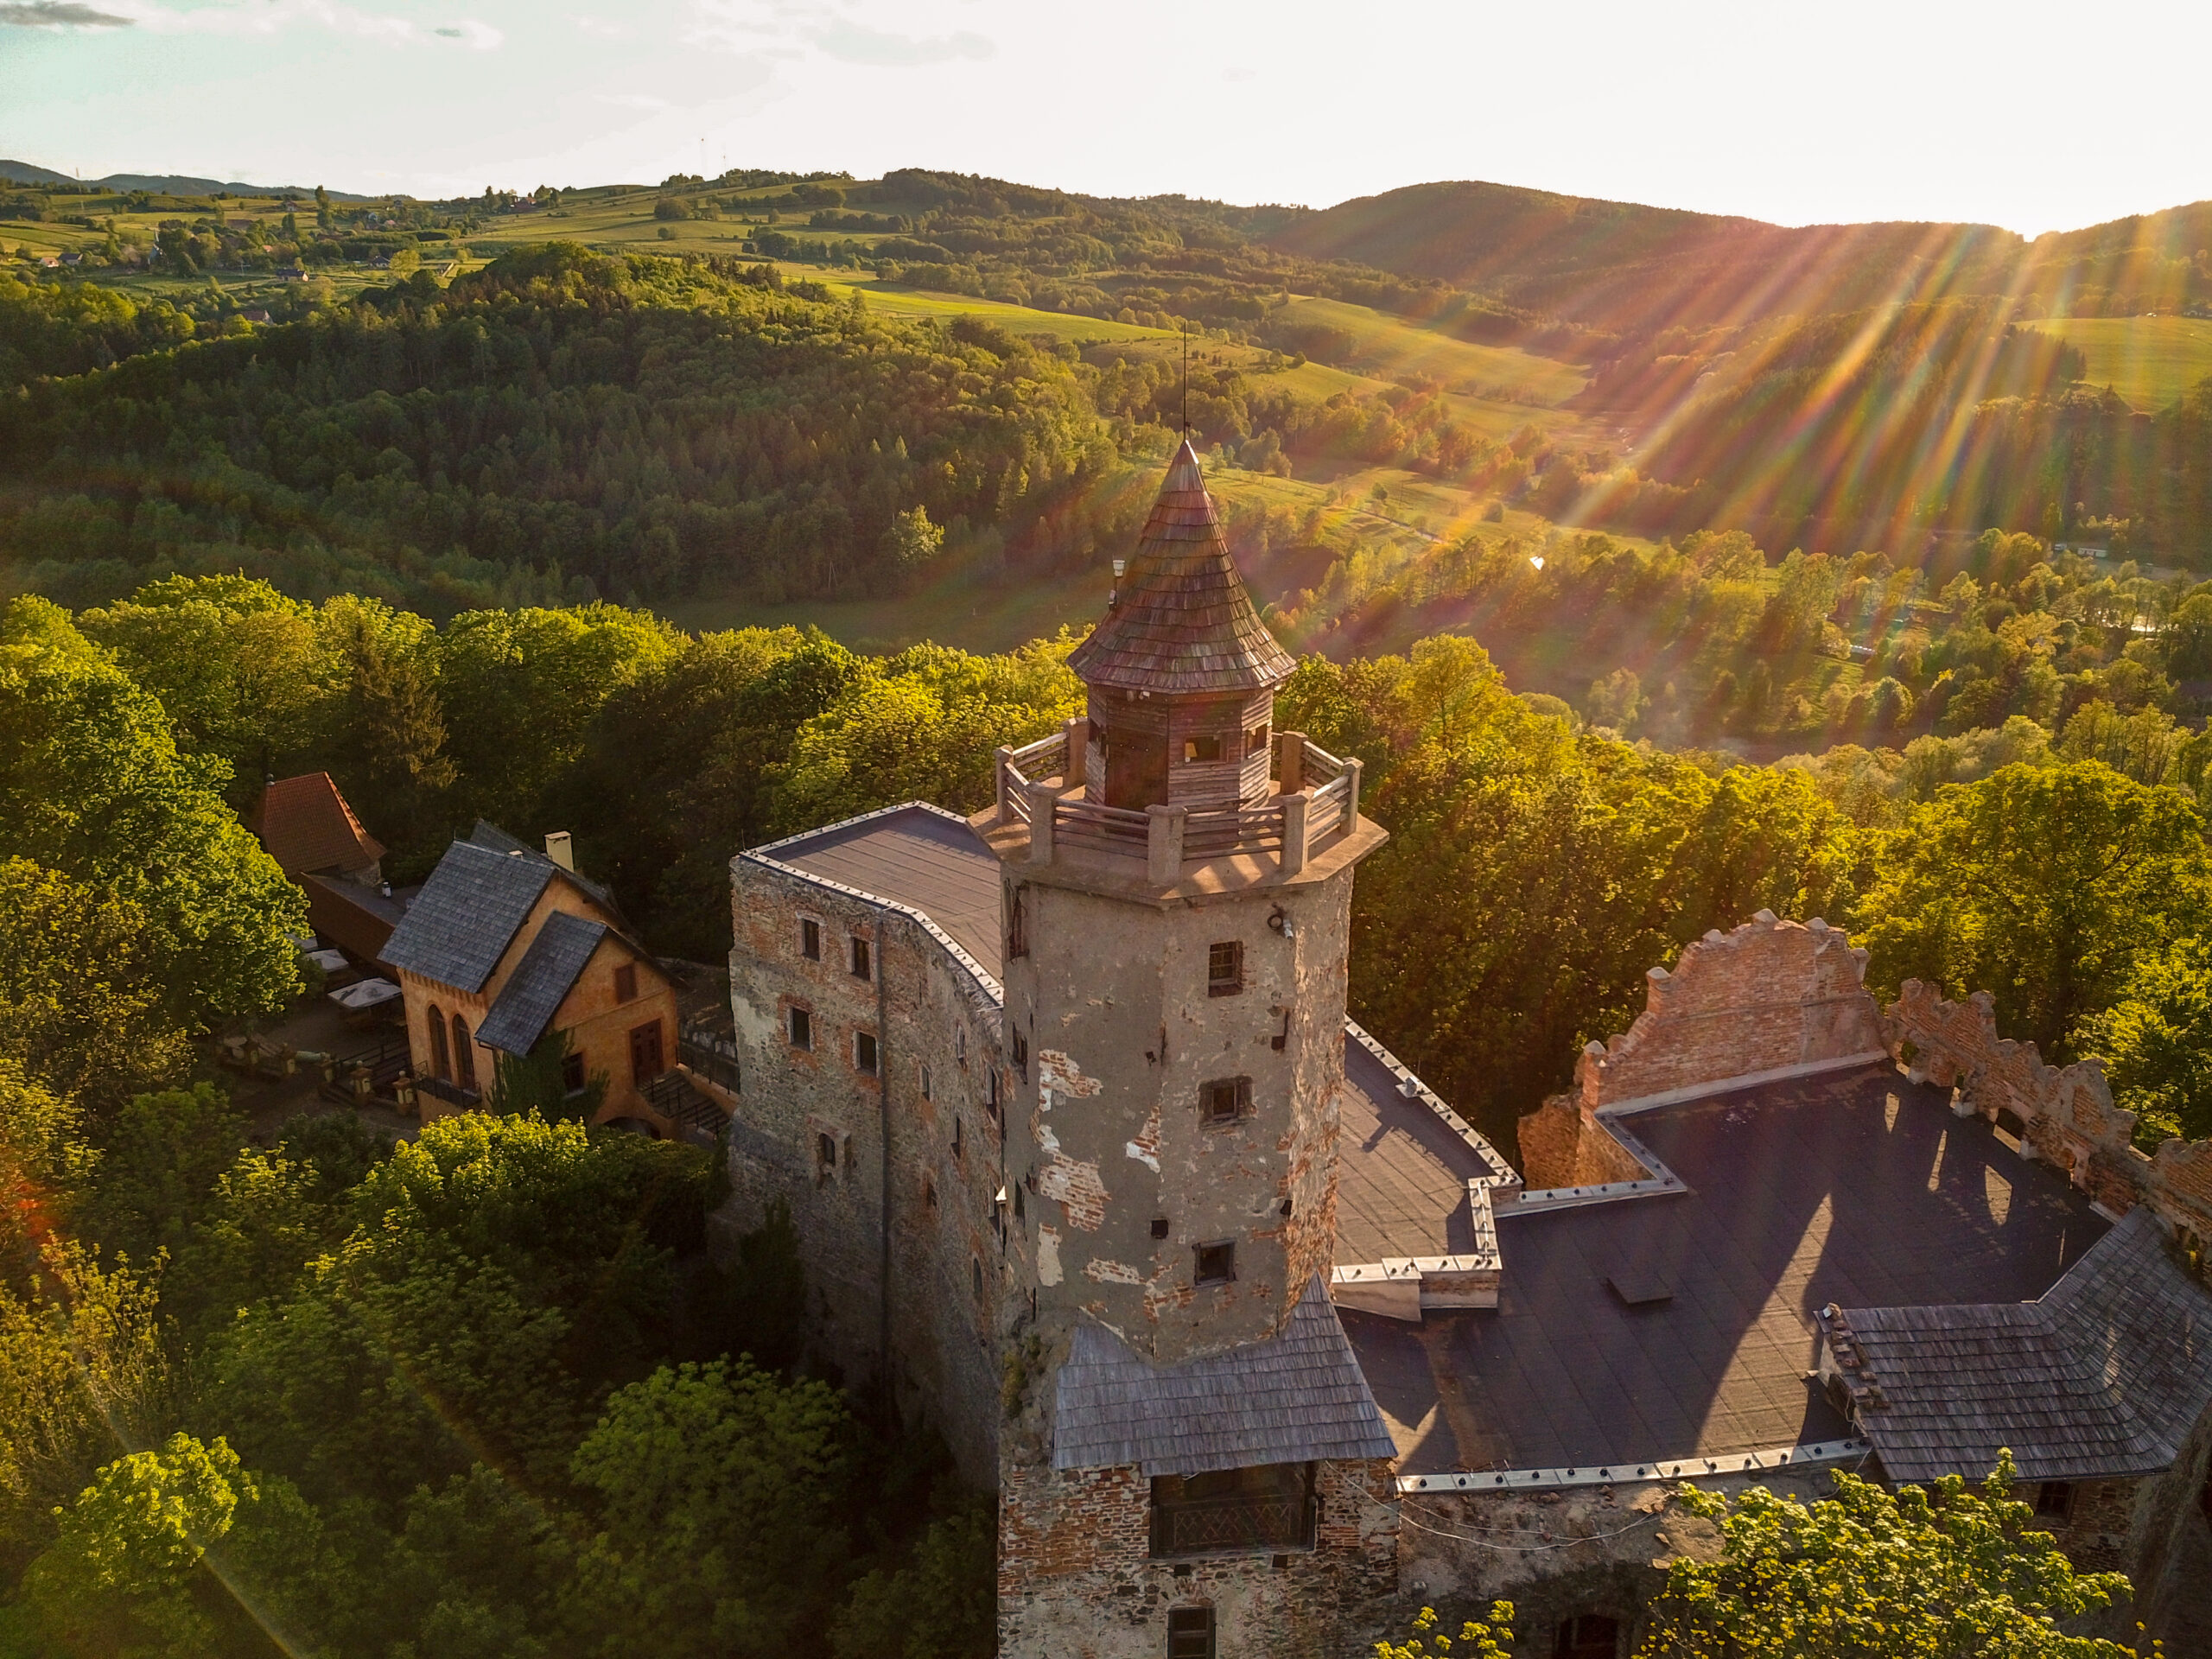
<point x="1296" y="1397"/>
<point x="916" y="856"/>
<point x="2104" y="1376"/>
<point x="1182" y="621"/>
<point x="532" y="995"/>
<point x="1401" y="1173"/>
<point x="355" y="919"/>
<point x="1859" y="1188"/>
<point x="467" y="915"/>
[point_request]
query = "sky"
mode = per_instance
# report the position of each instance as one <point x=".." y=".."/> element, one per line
<point x="2029" y="115"/>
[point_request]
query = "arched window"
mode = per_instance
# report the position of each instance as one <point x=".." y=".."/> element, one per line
<point x="464" y="1055"/>
<point x="440" y="1064"/>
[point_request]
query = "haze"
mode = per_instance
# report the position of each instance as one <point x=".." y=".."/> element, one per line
<point x="2024" y="116"/>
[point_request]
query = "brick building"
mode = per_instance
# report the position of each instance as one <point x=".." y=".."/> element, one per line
<point x="1260" y="1346"/>
<point x="507" y="952"/>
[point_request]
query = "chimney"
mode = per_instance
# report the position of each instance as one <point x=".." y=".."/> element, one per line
<point x="560" y="850"/>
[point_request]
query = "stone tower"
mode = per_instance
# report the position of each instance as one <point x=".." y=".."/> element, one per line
<point x="1177" y="897"/>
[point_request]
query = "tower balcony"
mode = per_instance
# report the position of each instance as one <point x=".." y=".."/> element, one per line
<point x="1311" y="806"/>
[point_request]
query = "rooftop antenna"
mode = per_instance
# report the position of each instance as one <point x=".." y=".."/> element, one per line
<point x="1183" y="412"/>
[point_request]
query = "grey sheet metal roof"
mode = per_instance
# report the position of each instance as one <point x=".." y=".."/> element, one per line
<point x="915" y="855"/>
<point x="1858" y="1187"/>
<point x="2104" y="1376"/>
<point x="1402" y="1175"/>
<point x="1298" y="1397"/>
<point x="531" y="997"/>
<point x="467" y="915"/>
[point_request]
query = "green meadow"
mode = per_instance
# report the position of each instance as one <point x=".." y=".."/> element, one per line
<point x="2150" y="361"/>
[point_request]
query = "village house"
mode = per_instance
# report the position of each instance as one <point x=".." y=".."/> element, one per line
<point x="510" y="954"/>
<point x="1263" y="1348"/>
<point x="306" y="825"/>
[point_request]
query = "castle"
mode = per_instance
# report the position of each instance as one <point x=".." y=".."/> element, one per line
<point x="1261" y="1346"/>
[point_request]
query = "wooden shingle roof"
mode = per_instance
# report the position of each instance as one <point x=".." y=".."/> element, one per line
<point x="1182" y="621"/>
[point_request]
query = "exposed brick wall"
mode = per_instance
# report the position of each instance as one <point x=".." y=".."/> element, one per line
<point x="2097" y="1532"/>
<point x="1076" y="1578"/>
<point x="2066" y="1113"/>
<point x="1770" y="997"/>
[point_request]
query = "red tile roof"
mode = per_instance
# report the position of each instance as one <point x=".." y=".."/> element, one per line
<point x="1182" y="620"/>
<point x="308" y="828"/>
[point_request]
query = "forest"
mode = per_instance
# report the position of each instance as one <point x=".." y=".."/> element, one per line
<point x="310" y="1391"/>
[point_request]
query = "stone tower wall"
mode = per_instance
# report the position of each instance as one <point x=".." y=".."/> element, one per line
<point x="918" y="1204"/>
<point x="1112" y="1003"/>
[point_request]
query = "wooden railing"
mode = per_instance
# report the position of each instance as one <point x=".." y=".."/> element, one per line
<point x="1317" y="798"/>
<point x="1227" y="1526"/>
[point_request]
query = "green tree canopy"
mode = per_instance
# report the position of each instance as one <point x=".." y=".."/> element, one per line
<point x="2041" y="886"/>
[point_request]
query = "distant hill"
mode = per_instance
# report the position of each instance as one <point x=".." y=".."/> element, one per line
<point x="1633" y="269"/>
<point x="168" y="184"/>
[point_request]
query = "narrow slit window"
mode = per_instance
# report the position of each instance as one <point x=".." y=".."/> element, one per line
<point x="810" y="940"/>
<point x="956" y="1138"/>
<point x="925" y="1083"/>
<point x="1225" y="968"/>
<point x="1255" y="741"/>
<point x="825" y="1153"/>
<point x="1017" y="924"/>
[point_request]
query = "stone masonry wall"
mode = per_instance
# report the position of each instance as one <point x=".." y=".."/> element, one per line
<point x="919" y="1205"/>
<point x="1770" y="998"/>
<point x="1076" y="1580"/>
<point x="2066" y="1113"/>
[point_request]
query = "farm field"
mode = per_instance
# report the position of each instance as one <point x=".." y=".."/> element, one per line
<point x="1391" y="347"/>
<point x="2150" y="361"/>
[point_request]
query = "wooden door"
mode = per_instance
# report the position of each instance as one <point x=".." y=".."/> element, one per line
<point x="1136" y="770"/>
<point x="645" y="1063"/>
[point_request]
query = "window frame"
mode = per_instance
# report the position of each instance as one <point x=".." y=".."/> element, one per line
<point x="868" y="1053"/>
<point x="1204" y="749"/>
<point x="1200" y="1637"/>
<point x="860" y="959"/>
<point x="574" y="1079"/>
<point x="1239" y="1094"/>
<point x="810" y="940"/>
<point x="625" y="982"/>
<point x="1230" y="983"/>
<point x="1223" y="1254"/>
<point x="798" y="1028"/>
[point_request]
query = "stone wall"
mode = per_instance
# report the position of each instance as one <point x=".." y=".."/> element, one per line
<point x="2064" y="1113"/>
<point x="1771" y="1000"/>
<point x="1075" y="1577"/>
<point x="910" y="1190"/>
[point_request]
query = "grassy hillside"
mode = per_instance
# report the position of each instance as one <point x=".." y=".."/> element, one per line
<point x="2150" y="361"/>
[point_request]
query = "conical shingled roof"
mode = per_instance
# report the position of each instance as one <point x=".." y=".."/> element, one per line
<point x="1182" y="621"/>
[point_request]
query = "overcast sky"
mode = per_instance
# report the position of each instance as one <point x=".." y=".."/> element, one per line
<point x="2029" y="115"/>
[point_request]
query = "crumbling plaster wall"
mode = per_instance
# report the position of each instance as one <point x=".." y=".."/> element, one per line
<point x="1770" y="999"/>
<point x="1076" y="1580"/>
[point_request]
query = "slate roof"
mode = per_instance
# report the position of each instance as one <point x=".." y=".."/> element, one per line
<point x="1181" y="620"/>
<point x="533" y="992"/>
<point x="2104" y="1376"/>
<point x="1296" y="1398"/>
<point x="306" y="825"/>
<point x="467" y="915"/>
<point x="1857" y="1187"/>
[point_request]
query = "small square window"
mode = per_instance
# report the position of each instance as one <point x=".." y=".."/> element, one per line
<point x="1255" y="741"/>
<point x="2055" y="1500"/>
<point x="1217" y="1263"/>
<point x="1225" y="968"/>
<point x="802" y="1028"/>
<point x="1189" y="1633"/>
<point x="572" y="1073"/>
<point x="861" y="967"/>
<point x="1224" y="1099"/>
<point x="810" y="940"/>
<point x="1160" y="1226"/>
<point x="626" y="982"/>
<point x="864" y="1052"/>
<point x="1207" y="747"/>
